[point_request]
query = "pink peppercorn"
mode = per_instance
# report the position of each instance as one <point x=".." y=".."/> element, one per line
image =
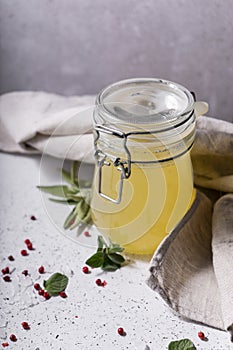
<point x="98" y="282"/>
<point x="4" y="345"/>
<point x="201" y="335"/>
<point x="24" y="252"/>
<point x="13" y="337"/>
<point x="87" y="234"/>
<point x="25" y="325"/>
<point x="46" y="295"/>
<point x="85" y="269"/>
<point x="27" y="241"/>
<point x="5" y="270"/>
<point x="41" y="292"/>
<point x="121" y="331"/>
<point x="32" y="217"/>
<point x="30" y="246"/>
<point x="37" y="286"/>
<point x="25" y="272"/>
<point x="7" y="278"/>
<point x="63" y="294"/>
<point x="11" y="258"/>
<point x="41" y="269"/>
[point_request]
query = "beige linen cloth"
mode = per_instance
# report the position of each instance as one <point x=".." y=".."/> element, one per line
<point x="193" y="267"/>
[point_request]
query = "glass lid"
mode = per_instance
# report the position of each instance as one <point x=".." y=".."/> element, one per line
<point x="145" y="101"/>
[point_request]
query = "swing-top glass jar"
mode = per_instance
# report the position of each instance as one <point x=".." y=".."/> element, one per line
<point x="143" y="183"/>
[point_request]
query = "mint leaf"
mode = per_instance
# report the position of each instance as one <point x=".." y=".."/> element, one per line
<point x="115" y="248"/>
<point x="56" y="283"/>
<point x="101" y="243"/>
<point x="109" y="265"/>
<point x="106" y="256"/>
<point x="183" y="344"/>
<point x="96" y="260"/>
<point x="116" y="258"/>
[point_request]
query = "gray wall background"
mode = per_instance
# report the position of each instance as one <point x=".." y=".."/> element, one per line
<point x="80" y="46"/>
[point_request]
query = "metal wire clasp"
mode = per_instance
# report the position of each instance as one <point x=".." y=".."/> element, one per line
<point x="123" y="166"/>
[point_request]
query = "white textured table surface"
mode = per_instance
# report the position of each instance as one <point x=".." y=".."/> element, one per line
<point x="90" y="316"/>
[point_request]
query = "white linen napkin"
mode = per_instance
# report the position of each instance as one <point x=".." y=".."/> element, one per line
<point x="193" y="267"/>
<point x="37" y="122"/>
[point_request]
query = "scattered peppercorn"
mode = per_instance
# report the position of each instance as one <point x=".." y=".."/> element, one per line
<point x="13" y="337"/>
<point x="104" y="283"/>
<point x="37" y="286"/>
<point x="201" y="335"/>
<point x="5" y="270"/>
<point x="30" y="246"/>
<point x="121" y="331"/>
<point x="25" y="272"/>
<point x="98" y="282"/>
<point x="41" y="292"/>
<point x="46" y="295"/>
<point x="7" y="278"/>
<point x="4" y="345"/>
<point x="86" y="234"/>
<point x="25" y="325"/>
<point x="27" y="241"/>
<point x="11" y="258"/>
<point x="41" y="269"/>
<point x="24" y="252"/>
<point x="63" y="294"/>
<point x="33" y="218"/>
<point x="85" y="269"/>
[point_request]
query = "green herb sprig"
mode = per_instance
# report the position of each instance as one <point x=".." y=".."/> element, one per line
<point x="183" y="344"/>
<point x="107" y="257"/>
<point x="72" y="195"/>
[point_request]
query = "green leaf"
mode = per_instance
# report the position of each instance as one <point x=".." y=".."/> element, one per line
<point x="73" y="173"/>
<point x="116" y="258"/>
<point x="183" y="344"/>
<point x="96" y="260"/>
<point x="87" y="219"/>
<point x="101" y="243"/>
<point x="66" y="176"/>
<point x="63" y="201"/>
<point x="59" y="191"/>
<point x="56" y="283"/>
<point x="70" y="219"/>
<point x="115" y="248"/>
<point x="109" y="265"/>
<point x="83" y="210"/>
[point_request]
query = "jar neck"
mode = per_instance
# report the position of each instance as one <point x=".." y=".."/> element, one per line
<point x="146" y="146"/>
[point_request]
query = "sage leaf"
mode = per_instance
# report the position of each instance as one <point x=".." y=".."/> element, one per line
<point x="70" y="219"/>
<point x="63" y="201"/>
<point x="59" y="191"/>
<point x="116" y="258"/>
<point x="56" y="283"/>
<point x="183" y="344"/>
<point x="66" y="176"/>
<point x="96" y="260"/>
<point x="74" y="169"/>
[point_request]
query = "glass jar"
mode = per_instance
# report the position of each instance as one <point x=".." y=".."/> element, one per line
<point x="143" y="181"/>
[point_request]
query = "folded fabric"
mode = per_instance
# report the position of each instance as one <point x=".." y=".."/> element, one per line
<point x="37" y="122"/>
<point x="192" y="268"/>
